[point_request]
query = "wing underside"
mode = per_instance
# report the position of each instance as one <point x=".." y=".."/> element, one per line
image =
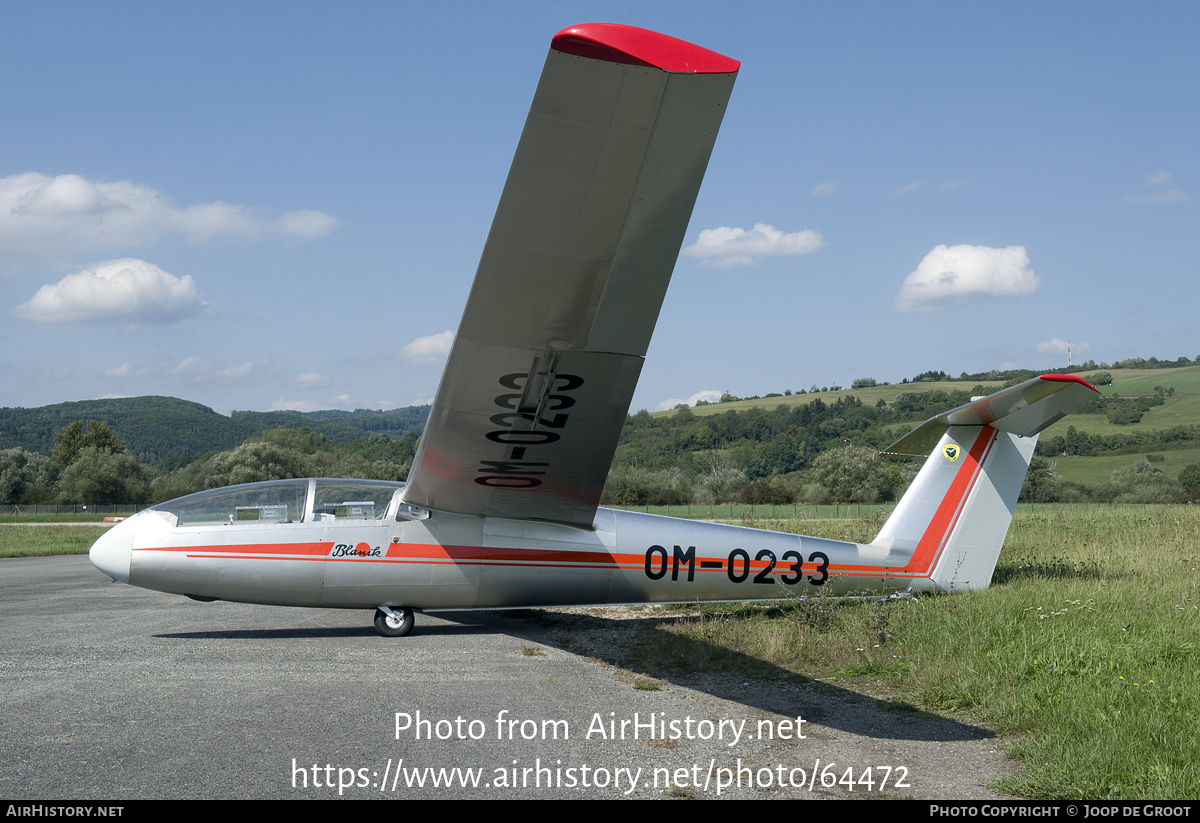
<point x="572" y="277"/>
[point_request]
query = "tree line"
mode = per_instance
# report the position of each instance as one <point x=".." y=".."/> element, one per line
<point x="812" y="453"/>
<point x="89" y="463"/>
<point x="167" y="428"/>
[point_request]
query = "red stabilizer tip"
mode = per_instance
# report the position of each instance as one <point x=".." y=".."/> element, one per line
<point x="640" y="47"/>
<point x="1069" y="378"/>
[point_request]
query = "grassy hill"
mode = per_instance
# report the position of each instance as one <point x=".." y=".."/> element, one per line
<point x="1126" y="383"/>
<point x="869" y="396"/>
<point x="158" y="428"/>
<point x="1179" y="409"/>
<point x="756" y="435"/>
<point x="1097" y="469"/>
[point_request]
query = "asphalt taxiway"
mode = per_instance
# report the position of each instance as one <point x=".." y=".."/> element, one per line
<point x="114" y="692"/>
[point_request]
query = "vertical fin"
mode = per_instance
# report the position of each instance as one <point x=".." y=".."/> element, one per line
<point x="952" y="521"/>
<point x="956" y="514"/>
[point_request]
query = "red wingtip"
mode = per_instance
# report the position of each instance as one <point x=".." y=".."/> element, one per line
<point x="1070" y="378"/>
<point x="640" y="47"/>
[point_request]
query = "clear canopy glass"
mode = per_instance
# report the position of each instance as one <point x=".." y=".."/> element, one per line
<point x="285" y="501"/>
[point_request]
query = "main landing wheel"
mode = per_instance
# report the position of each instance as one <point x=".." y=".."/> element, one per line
<point x="394" y="622"/>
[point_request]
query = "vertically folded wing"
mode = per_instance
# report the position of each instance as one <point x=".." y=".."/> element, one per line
<point x="568" y="290"/>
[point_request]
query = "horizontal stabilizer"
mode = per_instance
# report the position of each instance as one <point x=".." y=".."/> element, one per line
<point x="1024" y="410"/>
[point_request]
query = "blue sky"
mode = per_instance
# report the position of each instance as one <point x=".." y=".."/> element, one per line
<point x="281" y="205"/>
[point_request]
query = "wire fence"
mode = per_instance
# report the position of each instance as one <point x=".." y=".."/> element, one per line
<point x="741" y="511"/>
<point x="35" y="509"/>
<point x="715" y="511"/>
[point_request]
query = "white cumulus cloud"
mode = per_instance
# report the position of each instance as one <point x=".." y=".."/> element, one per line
<point x="915" y="185"/>
<point x="44" y="218"/>
<point x="953" y="275"/>
<point x="284" y="404"/>
<point x="127" y="290"/>
<point x="188" y="365"/>
<point x="427" y="350"/>
<point x="119" y="371"/>
<point x="236" y="371"/>
<point x="825" y="189"/>
<point x="951" y="185"/>
<point x="47" y="374"/>
<point x="1149" y="198"/>
<point x="709" y="395"/>
<point x="199" y="370"/>
<point x="306" y="224"/>
<point x="1160" y="178"/>
<point x="1056" y="345"/>
<point x="728" y="248"/>
<point x="312" y="380"/>
<point x="295" y="405"/>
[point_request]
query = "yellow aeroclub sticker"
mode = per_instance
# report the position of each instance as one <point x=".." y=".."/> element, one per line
<point x="952" y="451"/>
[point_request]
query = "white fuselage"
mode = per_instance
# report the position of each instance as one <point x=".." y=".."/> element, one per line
<point x="450" y="561"/>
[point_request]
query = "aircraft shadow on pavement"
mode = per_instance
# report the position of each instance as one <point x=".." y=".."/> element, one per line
<point x="315" y="632"/>
<point x="617" y="642"/>
<point x="770" y="688"/>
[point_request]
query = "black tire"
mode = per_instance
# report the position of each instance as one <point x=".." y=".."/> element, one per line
<point x="389" y="626"/>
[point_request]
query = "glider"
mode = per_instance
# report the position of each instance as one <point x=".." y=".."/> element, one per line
<point x="501" y="505"/>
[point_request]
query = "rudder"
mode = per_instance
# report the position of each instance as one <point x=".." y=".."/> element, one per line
<point x="955" y="515"/>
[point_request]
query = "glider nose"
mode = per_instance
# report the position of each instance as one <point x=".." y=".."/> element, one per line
<point x="113" y="552"/>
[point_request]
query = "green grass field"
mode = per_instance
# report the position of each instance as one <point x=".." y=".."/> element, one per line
<point x="33" y="540"/>
<point x="18" y="514"/>
<point x="1126" y="383"/>
<point x="1182" y="409"/>
<point x="869" y="396"/>
<point x="1176" y="411"/>
<point x="1135" y="382"/>
<point x="1086" y="647"/>
<point x="1099" y="469"/>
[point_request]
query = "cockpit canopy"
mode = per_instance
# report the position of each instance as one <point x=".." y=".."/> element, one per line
<point x="312" y="500"/>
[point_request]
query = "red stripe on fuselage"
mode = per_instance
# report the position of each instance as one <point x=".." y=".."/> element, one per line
<point x="436" y="554"/>
<point x="298" y="550"/>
